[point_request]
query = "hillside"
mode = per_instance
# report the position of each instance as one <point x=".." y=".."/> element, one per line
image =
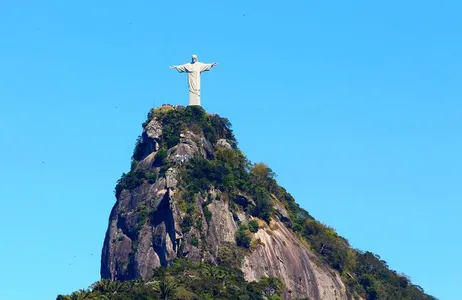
<point x="194" y="219"/>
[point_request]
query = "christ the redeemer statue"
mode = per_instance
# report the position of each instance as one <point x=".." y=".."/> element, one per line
<point x="194" y="70"/>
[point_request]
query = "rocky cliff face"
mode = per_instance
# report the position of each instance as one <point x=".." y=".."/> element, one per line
<point x="151" y="224"/>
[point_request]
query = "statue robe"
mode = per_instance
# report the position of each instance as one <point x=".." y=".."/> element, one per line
<point x="194" y="71"/>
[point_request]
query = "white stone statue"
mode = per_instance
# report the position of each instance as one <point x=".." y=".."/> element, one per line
<point x="194" y="70"/>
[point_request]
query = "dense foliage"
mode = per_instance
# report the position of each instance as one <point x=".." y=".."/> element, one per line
<point x="174" y="121"/>
<point x="134" y="179"/>
<point x="253" y="226"/>
<point x="194" y="118"/>
<point x="243" y="237"/>
<point x="230" y="172"/>
<point x="185" y="279"/>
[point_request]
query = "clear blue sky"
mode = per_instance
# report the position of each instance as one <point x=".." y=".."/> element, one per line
<point x="356" y="105"/>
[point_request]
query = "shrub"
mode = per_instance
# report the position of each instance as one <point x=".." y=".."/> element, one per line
<point x="253" y="226"/>
<point x="182" y="205"/>
<point x="271" y="286"/>
<point x="230" y="255"/>
<point x="194" y="241"/>
<point x="134" y="179"/>
<point x="194" y="118"/>
<point x="331" y="248"/>
<point x="186" y="224"/>
<point x="313" y="227"/>
<point x="143" y="215"/>
<point x="138" y="153"/>
<point x="242" y="238"/>
<point x="134" y="165"/>
<point x="160" y="159"/>
<point x="263" y="208"/>
<point x="199" y="224"/>
<point x="207" y="213"/>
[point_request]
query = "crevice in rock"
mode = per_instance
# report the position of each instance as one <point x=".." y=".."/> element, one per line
<point x="163" y="217"/>
<point x="122" y="224"/>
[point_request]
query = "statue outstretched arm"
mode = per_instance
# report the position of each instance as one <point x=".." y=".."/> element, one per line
<point x="208" y="67"/>
<point x="180" y="68"/>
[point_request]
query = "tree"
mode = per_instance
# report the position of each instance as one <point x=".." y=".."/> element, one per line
<point x="262" y="172"/>
<point x="166" y="288"/>
<point x="242" y="238"/>
<point x="271" y="286"/>
<point x="253" y="226"/>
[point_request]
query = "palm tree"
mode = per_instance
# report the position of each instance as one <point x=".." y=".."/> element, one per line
<point x="110" y="288"/>
<point x="81" y="295"/>
<point x="132" y="285"/>
<point x="166" y="288"/>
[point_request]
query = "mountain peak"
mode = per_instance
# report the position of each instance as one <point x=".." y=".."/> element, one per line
<point x="192" y="198"/>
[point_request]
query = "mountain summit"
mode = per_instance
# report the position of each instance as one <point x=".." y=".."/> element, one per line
<point x="194" y="219"/>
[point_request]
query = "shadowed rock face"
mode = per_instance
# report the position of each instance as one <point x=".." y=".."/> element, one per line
<point x="131" y="249"/>
<point x="146" y="227"/>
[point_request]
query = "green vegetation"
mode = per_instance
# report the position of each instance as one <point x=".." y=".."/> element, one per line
<point x="193" y="118"/>
<point x="134" y="179"/>
<point x="231" y="255"/>
<point x="195" y="241"/>
<point x="186" y="224"/>
<point x="230" y="172"/>
<point x="243" y="237"/>
<point x="174" y="121"/>
<point x="207" y="213"/>
<point x="271" y="287"/>
<point x="143" y="216"/>
<point x="160" y="159"/>
<point x="253" y="226"/>
<point x="379" y="282"/>
<point x="185" y="279"/>
<point x="226" y="172"/>
<point x="138" y="152"/>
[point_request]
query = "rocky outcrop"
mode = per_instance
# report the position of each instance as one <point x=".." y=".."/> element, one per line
<point x="224" y="143"/>
<point x="190" y="145"/>
<point x="138" y="240"/>
<point x="280" y="253"/>
<point x="154" y="129"/>
<point x="150" y="225"/>
<point x="222" y="227"/>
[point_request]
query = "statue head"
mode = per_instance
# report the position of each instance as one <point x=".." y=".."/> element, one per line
<point x="194" y="58"/>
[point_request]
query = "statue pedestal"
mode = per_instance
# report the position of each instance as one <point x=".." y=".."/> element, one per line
<point x="194" y="99"/>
